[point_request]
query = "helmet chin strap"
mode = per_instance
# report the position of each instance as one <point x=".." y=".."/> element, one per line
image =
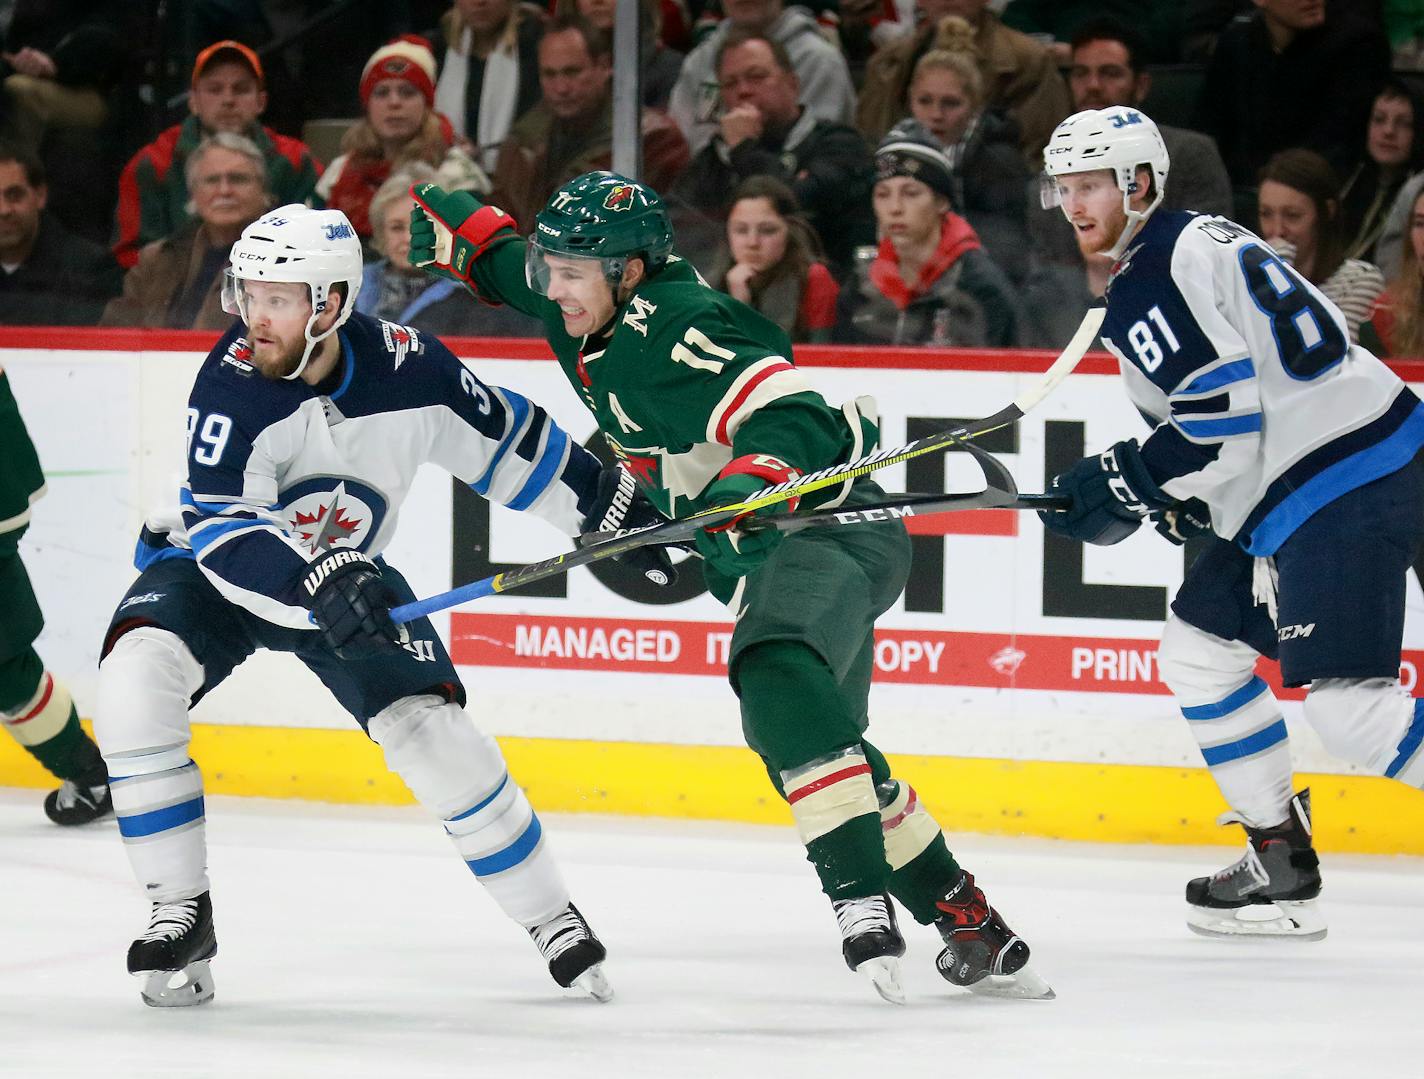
<point x="312" y="342"/>
<point x="1135" y="220"/>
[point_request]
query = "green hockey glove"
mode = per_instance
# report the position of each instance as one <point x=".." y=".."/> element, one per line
<point x="449" y="230"/>
<point x="728" y="548"/>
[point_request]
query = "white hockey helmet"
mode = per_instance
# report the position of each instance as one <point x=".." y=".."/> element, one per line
<point x="317" y="248"/>
<point x="1119" y="138"/>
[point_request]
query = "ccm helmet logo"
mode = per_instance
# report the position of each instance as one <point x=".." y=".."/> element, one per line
<point x="248" y="256"/>
<point x="551" y="231"/>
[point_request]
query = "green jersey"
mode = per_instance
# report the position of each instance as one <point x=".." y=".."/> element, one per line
<point x="21" y="481"/>
<point x="688" y="380"/>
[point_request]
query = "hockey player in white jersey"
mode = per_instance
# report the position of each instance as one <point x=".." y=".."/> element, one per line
<point x="306" y="425"/>
<point x="1293" y="448"/>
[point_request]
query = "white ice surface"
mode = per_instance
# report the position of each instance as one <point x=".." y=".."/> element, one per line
<point x="353" y="943"/>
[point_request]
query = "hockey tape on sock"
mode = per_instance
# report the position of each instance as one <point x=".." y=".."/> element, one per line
<point x="43" y="716"/>
<point x="907" y="827"/>
<point x="828" y="793"/>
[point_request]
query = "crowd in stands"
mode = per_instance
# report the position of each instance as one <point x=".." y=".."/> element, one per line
<point x="861" y="171"/>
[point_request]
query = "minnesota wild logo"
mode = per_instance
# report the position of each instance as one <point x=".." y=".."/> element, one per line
<point x="620" y="198"/>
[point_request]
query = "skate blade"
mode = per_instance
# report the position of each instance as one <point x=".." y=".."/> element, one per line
<point x="184" y="988"/>
<point x="1293" y="920"/>
<point x="594" y="983"/>
<point x="1025" y="984"/>
<point x="884" y="974"/>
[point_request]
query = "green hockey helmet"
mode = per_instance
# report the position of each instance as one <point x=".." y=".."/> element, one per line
<point x="603" y="216"/>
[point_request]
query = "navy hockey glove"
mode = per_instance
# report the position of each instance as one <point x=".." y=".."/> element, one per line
<point x="1111" y="494"/>
<point x="449" y="230"/>
<point x="619" y="504"/>
<point x="1183" y="521"/>
<point x="728" y="548"/>
<point x="352" y="605"/>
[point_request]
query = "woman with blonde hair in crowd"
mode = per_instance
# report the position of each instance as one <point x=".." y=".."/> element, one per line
<point x="400" y="126"/>
<point x="489" y="71"/>
<point x="1299" y="215"/>
<point x="772" y="261"/>
<point x="946" y="95"/>
<point x="1396" y="328"/>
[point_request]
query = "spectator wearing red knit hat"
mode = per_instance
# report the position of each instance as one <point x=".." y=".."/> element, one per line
<point x="400" y="126"/>
<point x="227" y="95"/>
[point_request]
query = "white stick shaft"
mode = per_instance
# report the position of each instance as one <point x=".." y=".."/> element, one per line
<point x="1082" y="340"/>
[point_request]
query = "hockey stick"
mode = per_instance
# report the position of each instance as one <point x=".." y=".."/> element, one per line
<point x="912" y="506"/>
<point x="1000" y="492"/>
<point x="1060" y="369"/>
<point x="685" y="528"/>
<point x="596" y="546"/>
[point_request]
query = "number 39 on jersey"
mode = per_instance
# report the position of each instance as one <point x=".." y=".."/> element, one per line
<point x="207" y="436"/>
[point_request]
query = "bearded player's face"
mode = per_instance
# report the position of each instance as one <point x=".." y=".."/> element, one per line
<point x="1092" y="203"/>
<point x="277" y="314"/>
<point x="584" y="296"/>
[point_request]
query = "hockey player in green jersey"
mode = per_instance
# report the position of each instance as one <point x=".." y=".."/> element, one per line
<point x="34" y="706"/>
<point x="697" y="396"/>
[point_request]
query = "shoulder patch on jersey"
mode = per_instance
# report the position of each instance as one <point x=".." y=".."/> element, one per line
<point x="637" y="314"/>
<point x="1122" y="265"/>
<point x="401" y="341"/>
<point x="239" y="356"/>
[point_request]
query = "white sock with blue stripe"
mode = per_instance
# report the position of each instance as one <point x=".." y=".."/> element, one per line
<point x="1234" y="717"/>
<point x="1372" y="722"/>
<point x="457" y="772"/>
<point x="501" y="840"/>
<point x="1407" y="766"/>
<point x="158" y="799"/>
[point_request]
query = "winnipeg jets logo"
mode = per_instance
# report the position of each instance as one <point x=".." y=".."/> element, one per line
<point x="401" y="341"/>
<point x="1008" y="660"/>
<point x="637" y="315"/>
<point x="154" y="597"/>
<point x="323" y="519"/>
<point x="339" y="232"/>
<point x="620" y="199"/>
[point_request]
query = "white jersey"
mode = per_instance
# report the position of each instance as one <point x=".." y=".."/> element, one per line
<point x="1264" y="410"/>
<point x="280" y="472"/>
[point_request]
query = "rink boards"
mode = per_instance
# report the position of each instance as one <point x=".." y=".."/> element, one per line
<point x="1016" y="678"/>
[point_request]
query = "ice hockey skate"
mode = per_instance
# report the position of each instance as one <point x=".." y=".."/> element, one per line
<point x="172" y="954"/>
<point x="981" y="952"/>
<point x="871" y="942"/>
<point x="1272" y="891"/>
<point x="77" y="803"/>
<point x="575" y="956"/>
